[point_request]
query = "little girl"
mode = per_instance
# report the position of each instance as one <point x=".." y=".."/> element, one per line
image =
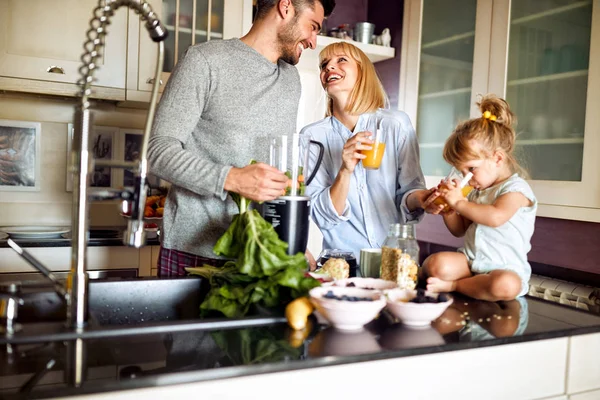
<point x="497" y="218"/>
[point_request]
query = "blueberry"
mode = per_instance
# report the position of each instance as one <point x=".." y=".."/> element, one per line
<point x="351" y="284"/>
<point x="443" y="297"/>
<point x="420" y="292"/>
<point x="429" y="299"/>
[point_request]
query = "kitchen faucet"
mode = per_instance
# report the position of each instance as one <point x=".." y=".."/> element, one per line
<point x="134" y="235"/>
<point x="75" y="290"/>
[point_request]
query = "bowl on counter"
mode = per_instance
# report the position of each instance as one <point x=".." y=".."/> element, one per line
<point x="347" y="308"/>
<point x="414" y="314"/>
<point x="365" y="283"/>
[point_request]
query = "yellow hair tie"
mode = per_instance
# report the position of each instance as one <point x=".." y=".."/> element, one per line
<point x="489" y="115"/>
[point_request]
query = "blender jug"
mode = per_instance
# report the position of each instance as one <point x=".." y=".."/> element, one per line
<point x="289" y="214"/>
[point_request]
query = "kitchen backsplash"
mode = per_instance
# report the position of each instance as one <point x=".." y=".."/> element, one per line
<point x="52" y="204"/>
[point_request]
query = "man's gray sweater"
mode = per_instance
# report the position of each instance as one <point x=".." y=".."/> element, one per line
<point x="221" y="103"/>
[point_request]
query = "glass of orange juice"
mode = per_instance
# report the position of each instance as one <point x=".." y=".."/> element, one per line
<point x="375" y="154"/>
<point x="464" y="185"/>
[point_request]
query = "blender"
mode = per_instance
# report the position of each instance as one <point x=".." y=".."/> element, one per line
<point x="289" y="214"/>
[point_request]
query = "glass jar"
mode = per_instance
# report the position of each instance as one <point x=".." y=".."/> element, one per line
<point x="400" y="256"/>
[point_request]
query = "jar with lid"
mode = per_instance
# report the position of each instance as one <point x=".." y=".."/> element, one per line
<point x="400" y="256"/>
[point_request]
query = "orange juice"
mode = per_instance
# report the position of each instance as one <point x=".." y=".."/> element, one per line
<point x="374" y="156"/>
<point x="440" y="201"/>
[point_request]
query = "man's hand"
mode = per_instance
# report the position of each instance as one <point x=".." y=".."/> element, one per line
<point x="257" y="182"/>
<point x="428" y="202"/>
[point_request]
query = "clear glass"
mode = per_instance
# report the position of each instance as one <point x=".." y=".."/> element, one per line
<point x="400" y="256"/>
<point x="290" y="154"/>
<point x="548" y="58"/>
<point x="445" y="77"/>
<point x="183" y="35"/>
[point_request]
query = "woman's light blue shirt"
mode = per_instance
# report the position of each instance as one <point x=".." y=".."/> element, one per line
<point x="376" y="198"/>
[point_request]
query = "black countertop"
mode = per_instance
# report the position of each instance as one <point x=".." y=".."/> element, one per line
<point x="180" y="354"/>
<point x="99" y="236"/>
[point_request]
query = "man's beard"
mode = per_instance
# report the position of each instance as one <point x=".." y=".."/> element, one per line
<point x="288" y="43"/>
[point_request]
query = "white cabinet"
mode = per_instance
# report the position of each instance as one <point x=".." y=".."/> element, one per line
<point x="542" y="56"/>
<point x="41" y="44"/>
<point x="188" y="22"/>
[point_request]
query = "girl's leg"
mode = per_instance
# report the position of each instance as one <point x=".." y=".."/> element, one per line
<point x="495" y="286"/>
<point x="447" y="266"/>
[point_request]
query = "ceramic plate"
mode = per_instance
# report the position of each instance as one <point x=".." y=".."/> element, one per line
<point x="34" y="232"/>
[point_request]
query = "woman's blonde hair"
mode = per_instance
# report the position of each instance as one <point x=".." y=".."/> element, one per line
<point x="368" y="94"/>
<point x="493" y="131"/>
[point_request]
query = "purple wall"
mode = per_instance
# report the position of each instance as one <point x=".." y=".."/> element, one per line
<point x="557" y="242"/>
<point x="388" y="14"/>
<point x="348" y="12"/>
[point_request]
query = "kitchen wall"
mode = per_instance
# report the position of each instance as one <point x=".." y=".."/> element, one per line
<point x="52" y="204"/>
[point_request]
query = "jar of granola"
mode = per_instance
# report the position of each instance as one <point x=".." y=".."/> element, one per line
<point x="400" y="256"/>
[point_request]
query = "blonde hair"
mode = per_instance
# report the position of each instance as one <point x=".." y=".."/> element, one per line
<point x="493" y="131"/>
<point x="368" y="94"/>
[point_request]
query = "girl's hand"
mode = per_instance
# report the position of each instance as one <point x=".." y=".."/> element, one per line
<point x="351" y="153"/>
<point x="452" y="193"/>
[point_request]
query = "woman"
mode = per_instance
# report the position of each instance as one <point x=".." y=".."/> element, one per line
<point x="354" y="206"/>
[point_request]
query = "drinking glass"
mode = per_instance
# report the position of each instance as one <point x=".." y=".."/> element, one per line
<point x="375" y="154"/>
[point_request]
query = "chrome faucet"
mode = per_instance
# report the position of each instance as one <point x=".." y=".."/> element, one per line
<point x="75" y="291"/>
<point x="82" y="163"/>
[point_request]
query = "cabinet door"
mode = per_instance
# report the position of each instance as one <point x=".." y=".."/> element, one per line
<point x="189" y="22"/>
<point x="551" y="78"/>
<point x="41" y="40"/>
<point x="439" y="79"/>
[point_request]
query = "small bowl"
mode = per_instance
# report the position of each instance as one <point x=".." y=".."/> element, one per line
<point x="414" y="314"/>
<point x="347" y="315"/>
<point x="366" y="283"/>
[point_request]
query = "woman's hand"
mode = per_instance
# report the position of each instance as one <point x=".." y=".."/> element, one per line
<point x="351" y="154"/>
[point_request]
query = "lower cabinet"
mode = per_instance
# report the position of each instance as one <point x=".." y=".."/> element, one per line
<point x="58" y="259"/>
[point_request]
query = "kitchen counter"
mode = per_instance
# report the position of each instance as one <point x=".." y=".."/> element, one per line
<point x="98" y="237"/>
<point x="182" y="354"/>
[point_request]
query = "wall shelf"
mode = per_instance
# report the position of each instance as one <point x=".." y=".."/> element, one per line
<point x="374" y="52"/>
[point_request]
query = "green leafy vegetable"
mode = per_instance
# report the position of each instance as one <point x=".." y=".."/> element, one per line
<point x="262" y="273"/>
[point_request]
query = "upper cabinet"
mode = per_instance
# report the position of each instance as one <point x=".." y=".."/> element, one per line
<point x="188" y="22"/>
<point x="41" y="44"/>
<point x="542" y="56"/>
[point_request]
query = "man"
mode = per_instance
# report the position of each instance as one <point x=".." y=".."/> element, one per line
<point x="223" y="100"/>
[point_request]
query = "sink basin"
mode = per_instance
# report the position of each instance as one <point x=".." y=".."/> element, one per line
<point x="122" y="302"/>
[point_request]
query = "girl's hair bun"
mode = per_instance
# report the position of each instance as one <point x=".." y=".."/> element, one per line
<point x="498" y="108"/>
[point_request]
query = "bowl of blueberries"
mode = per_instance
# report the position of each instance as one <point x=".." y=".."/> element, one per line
<point x="347" y="308"/>
<point x="416" y="307"/>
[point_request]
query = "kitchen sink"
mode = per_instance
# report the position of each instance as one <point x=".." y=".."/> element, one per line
<point x="121" y="301"/>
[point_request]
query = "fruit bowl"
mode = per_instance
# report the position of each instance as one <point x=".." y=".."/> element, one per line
<point x="347" y="308"/>
<point x="400" y="304"/>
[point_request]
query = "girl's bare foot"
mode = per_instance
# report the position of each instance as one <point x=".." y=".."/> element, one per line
<point x="437" y="285"/>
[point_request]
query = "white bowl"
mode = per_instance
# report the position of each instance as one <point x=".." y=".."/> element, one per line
<point x="366" y="283"/>
<point x="414" y="314"/>
<point x="347" y="315"/>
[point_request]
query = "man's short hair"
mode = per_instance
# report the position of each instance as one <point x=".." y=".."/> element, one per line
<point x="264" y="6"/>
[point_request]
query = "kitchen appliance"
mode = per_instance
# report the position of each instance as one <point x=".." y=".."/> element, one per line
<point x="289" y="214"/>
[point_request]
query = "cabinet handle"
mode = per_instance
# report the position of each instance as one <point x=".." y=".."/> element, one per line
<point x="151" y="81"/>
<point x="55" y="70"/>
